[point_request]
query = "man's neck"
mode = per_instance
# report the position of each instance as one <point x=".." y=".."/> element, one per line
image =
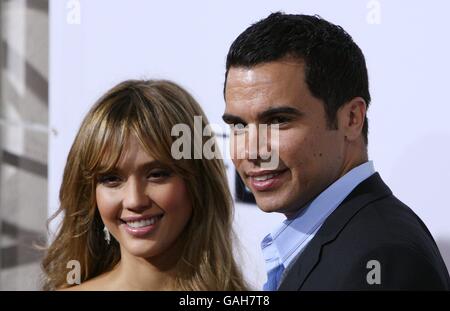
<point x="356" y="154"/>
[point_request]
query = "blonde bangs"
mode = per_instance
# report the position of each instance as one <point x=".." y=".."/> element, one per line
<point x="147" y="110"/>
<point x="113" y="123"/>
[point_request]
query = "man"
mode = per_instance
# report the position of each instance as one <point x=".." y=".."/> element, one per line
<point x="345" y="230"/>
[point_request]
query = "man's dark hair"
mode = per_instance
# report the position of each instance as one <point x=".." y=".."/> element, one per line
<point x="335" y="68"/>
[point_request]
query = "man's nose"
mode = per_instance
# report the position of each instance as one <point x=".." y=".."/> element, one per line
<point x="257" y="147"/>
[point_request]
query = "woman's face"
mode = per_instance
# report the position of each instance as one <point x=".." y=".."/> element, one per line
<point x="143" y="204"/>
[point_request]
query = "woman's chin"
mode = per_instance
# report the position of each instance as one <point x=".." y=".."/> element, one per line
<point x="143" y="249"/>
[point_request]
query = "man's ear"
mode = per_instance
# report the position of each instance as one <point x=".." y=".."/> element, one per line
<point x="351" y="118"/>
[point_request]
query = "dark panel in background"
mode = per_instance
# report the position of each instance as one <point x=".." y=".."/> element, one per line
<point x="243" y="194"/>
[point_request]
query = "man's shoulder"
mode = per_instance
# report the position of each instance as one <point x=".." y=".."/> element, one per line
<point x="388" y="231"/>
<point x="388" y="228"/>
<point x="385" y="221"/>
<point x="387" y="218"/>
<point x="370" y="224"/>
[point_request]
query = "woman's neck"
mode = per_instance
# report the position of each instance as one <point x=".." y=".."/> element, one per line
<point x="135" y="273"/>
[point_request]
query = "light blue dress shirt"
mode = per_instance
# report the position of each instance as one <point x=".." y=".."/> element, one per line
<point x="286" y="243"/>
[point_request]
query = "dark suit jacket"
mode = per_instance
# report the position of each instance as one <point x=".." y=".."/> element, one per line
<point x="370" y="224"/>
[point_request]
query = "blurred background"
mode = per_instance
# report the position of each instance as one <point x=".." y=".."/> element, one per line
<point x="23" y="140"/>
<point x="58" y="56"/>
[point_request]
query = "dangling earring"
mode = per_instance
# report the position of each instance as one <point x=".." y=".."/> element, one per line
<point x="107" y="235"/>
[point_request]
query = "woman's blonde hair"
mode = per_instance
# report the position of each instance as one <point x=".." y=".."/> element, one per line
<point x="148" y="110"/>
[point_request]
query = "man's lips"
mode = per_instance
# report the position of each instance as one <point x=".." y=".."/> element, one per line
<point x="258" y="173"/>
<point x="265" y="180"/>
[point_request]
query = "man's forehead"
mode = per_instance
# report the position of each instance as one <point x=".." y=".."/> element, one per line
<point x="265" y="81"/>
<point x="252" y="91"/>
<point x="265" y="72"/>
<point x="247" y="76"/>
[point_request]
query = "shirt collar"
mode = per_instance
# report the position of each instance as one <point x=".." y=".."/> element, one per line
<point x="287" y="241"/>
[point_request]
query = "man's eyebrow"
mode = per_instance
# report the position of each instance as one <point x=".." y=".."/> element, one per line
<point x="231" y="119"/>
<point x="277" y="110"/>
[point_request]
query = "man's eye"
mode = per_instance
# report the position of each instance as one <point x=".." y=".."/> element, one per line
<point x="279" y="120"/>
<point x="238" y="128"/>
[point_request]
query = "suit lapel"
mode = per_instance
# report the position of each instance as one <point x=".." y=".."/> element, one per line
<point x="371" y="189"/>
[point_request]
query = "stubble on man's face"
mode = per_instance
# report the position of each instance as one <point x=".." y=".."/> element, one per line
<point x="310" y="153"/>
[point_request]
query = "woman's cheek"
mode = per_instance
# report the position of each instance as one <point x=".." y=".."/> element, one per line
<point x="171" y="196"/>
<point x="107" y="204"/>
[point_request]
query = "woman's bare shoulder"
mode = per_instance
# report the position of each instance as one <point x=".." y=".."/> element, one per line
<point x="99" y="283"/>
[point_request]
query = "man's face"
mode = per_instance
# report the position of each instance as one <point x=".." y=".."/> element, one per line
<point x="311" y="155"/>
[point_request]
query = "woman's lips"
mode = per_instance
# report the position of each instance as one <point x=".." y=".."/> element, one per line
<point x="268" y="181"/>
<point x="141" y="228"/>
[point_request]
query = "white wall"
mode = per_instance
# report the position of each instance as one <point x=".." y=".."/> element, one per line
<point x="406" y="46"/>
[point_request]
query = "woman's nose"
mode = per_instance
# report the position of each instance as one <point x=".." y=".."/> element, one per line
<point x="135" y="196"/>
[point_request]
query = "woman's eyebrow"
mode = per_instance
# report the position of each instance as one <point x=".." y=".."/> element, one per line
<point x="141" y="167"/>
<point x="150" y="165"/>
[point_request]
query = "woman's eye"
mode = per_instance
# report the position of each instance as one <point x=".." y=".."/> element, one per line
<point x="159" y="174"/>
<point x="109" y="180"/>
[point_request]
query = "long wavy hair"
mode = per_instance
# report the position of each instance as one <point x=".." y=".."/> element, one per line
<point x="148" y="110"/>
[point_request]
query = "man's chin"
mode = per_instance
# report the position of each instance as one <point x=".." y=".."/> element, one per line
<point x="269" y="206"/>
<point x="275" y="204"/>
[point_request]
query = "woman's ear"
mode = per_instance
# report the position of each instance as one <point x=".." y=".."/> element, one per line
<point x="351" y="118"/>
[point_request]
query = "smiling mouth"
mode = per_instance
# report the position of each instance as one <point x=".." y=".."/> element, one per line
<point x="266" y="181"/>
<point x="266" y="177"/>
<point x="141" y="223"/>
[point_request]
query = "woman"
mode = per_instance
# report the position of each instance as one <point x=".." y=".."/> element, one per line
<point x="135" y="218"/>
